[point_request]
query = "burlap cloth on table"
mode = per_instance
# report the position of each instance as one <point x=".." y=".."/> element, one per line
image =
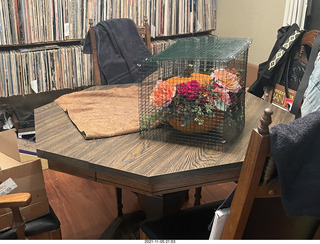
<point x="103" y="113"/>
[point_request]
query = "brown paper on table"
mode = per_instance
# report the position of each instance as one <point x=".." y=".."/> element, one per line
<point x="103" y="113"/>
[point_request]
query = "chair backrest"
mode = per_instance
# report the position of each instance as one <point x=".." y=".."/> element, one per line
<point x="144" y="31"/>
<point x="254" y="184"/>
<point x="307" y="41"/>
<point x="248" y="187"/>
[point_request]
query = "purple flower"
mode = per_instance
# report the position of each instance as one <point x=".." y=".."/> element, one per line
<point x="182" y="89"/>
<point x="190" y="90"/>
<point x="191" y="96"/>
<point x="194" y="86"/>
<point x="193" y="90"/>
<point x="203" y="89"/>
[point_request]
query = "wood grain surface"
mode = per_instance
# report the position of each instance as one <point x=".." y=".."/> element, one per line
<point x="145" y="166"/>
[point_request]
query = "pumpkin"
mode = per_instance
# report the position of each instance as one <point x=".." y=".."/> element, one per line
<point x="201" y="78"/>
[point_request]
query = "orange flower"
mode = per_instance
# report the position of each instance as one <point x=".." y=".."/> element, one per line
<point x="162" y="94"/>
<point x="226" y="79"/>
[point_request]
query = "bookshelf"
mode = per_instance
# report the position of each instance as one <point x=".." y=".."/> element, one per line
<point x="40" y="41"/>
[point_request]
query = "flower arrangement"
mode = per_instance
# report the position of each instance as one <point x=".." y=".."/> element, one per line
<point x="198" y="101"/>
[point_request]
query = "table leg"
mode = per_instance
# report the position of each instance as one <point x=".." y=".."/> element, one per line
<point x="125" y="226"/>
<point x="197" y="196"/>
<point x="156" y="206"/>
<point x="119" y="201"/>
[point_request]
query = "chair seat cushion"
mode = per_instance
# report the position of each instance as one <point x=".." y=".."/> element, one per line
<point x="191" y="223"/>
<point x="40" y="225"/>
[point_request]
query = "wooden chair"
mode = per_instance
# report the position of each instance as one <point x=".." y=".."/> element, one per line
<point x="306" y="44"/>
<point x="144" y="31"/>
<point x="256" y="209"/>
<point x="46" y="227"/>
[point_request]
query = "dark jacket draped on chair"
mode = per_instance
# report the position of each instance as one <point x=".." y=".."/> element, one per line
<point x="296" y="150"/>
<point x="120" y="51"/>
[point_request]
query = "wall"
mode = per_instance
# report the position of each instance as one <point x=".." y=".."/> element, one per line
<point x="256" y="19"/>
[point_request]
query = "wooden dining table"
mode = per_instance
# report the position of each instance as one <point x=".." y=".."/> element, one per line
<point x="144" y="166"/>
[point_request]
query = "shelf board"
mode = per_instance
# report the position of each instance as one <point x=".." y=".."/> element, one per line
<point x="24" y="45"/>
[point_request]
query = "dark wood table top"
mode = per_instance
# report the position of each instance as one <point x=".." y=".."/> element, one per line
<point x="144" y="166"/>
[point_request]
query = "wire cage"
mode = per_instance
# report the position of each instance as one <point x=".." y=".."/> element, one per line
<point x="194" y="92"/>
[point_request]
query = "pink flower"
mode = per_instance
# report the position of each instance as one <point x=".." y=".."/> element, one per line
<point x="226" y="79"/>
<point x="223" y="95"/>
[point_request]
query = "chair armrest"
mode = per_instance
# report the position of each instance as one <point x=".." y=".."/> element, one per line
<point x="15" y="200"/>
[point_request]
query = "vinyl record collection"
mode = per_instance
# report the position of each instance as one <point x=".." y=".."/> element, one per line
<point x="32" y="21"/>
<point x="62" y="24"/>
<point x="42" y="69"/>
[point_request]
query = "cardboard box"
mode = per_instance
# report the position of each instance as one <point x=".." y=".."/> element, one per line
<point x="27" y="175"/>
<point x="27" y="150"/>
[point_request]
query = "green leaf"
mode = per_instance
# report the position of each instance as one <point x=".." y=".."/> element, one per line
<point x="199" y="121"/>
<point x="209" y="108"/>
<point x="149" y="120"/>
